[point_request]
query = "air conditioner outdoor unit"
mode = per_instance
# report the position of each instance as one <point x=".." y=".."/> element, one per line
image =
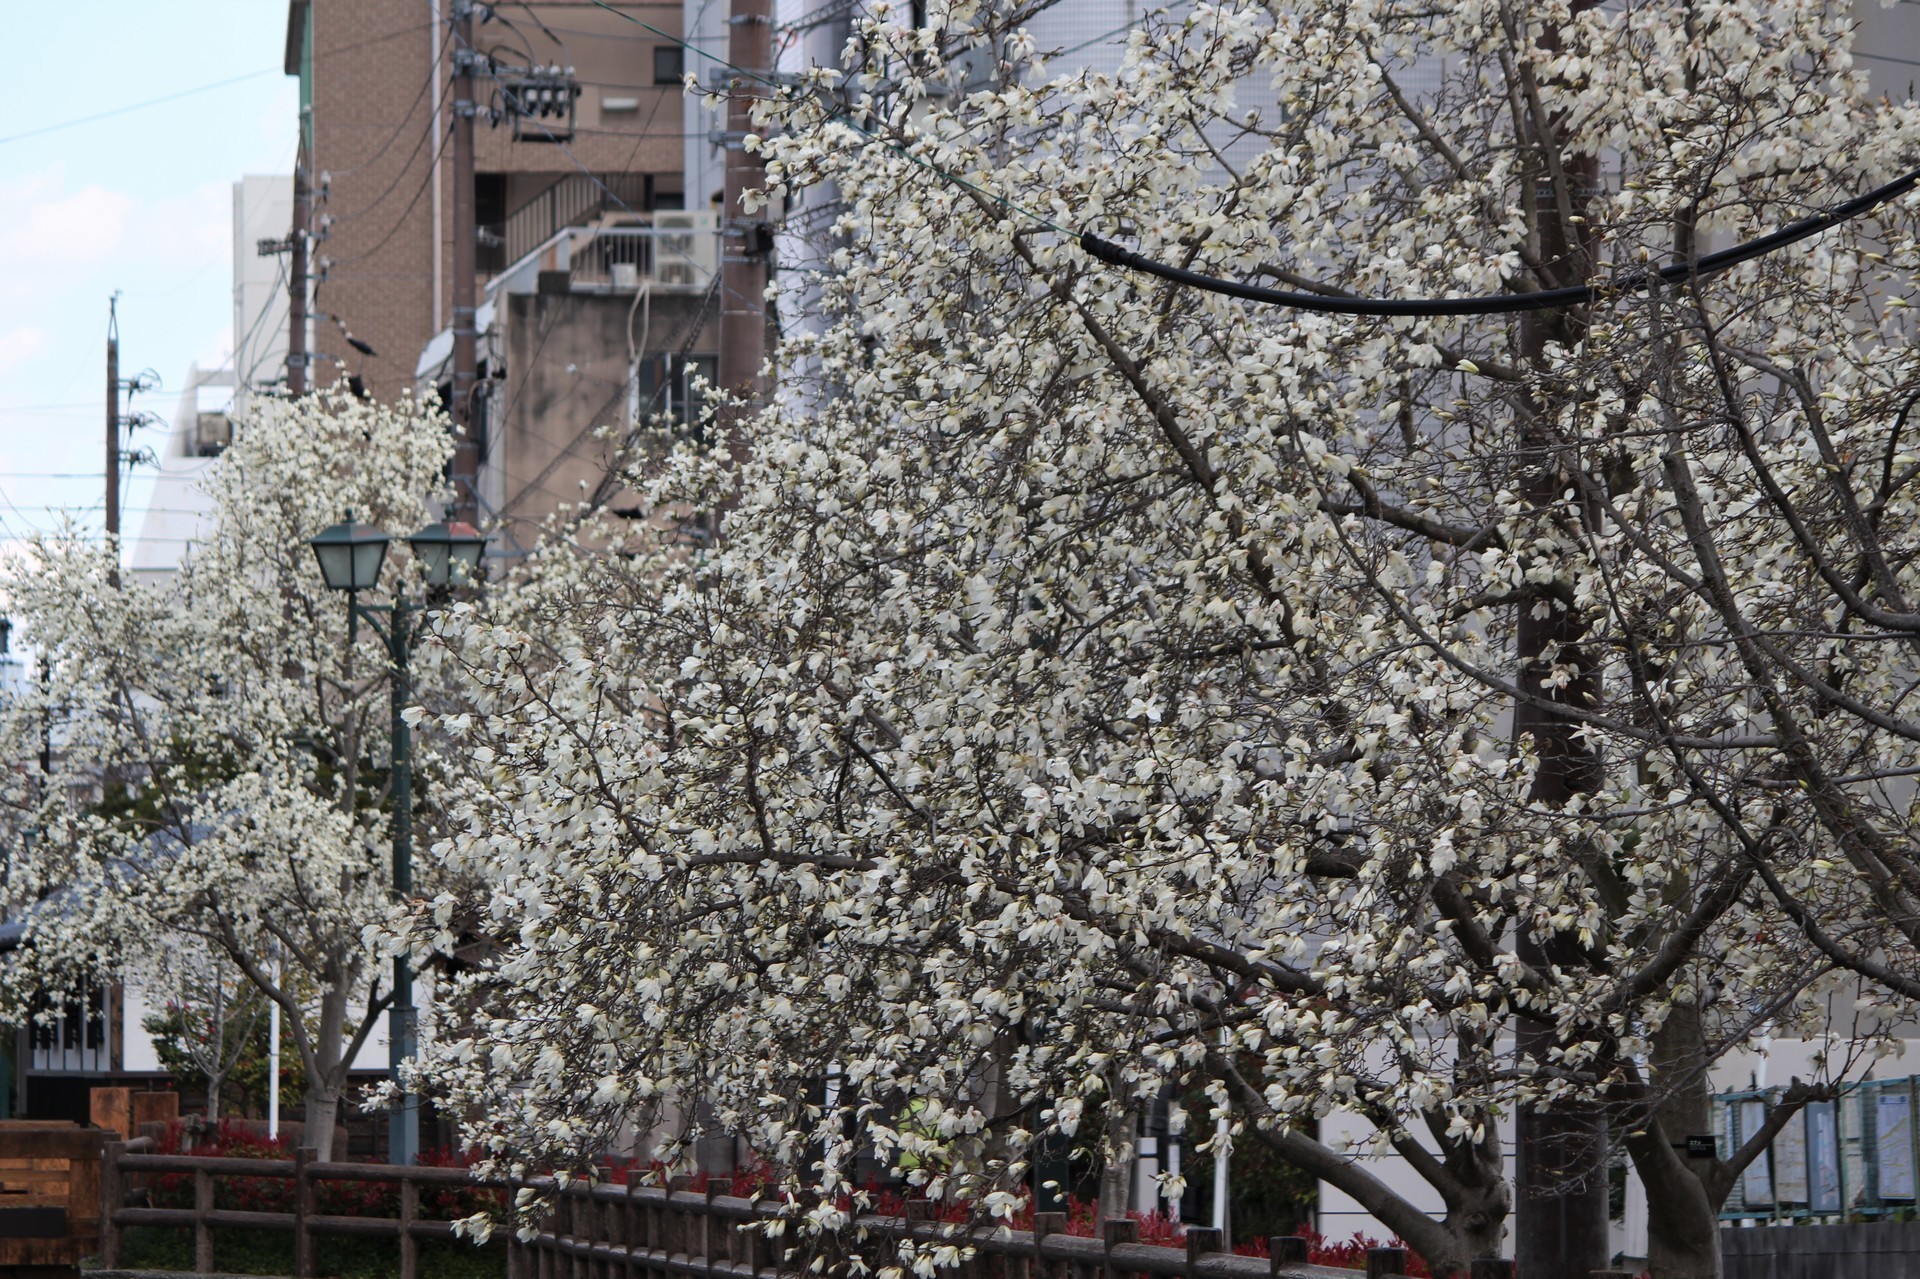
<point x="686" y="258"/>
<point x="212" y="433"/>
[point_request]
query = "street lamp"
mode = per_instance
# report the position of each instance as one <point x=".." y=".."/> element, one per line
<point x="350" y="558"/>
<point x="449" y="553"/>
<point x="350" y="555"/>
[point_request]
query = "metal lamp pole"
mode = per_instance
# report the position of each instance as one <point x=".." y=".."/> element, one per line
<point x="350" y="557"/>
<point x="403" y="1125"/>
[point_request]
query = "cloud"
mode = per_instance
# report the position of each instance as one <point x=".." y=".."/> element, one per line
<point x="77" y="228"/>
<point x="192" y="227"/>
<point x="21" y="346"/>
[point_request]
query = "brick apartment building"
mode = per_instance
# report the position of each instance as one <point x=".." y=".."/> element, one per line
<point x="588" y="311"/>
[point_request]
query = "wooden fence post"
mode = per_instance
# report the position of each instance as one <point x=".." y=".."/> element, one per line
<point x="202" y="1232"/>
<point x="1044" y="1224"/>
<point x="629" y="1220"/>
<point x="409" y="1213"/>
<point x="707" y="1227"/>
<point x="1382" y="1263"/>
<point x="113" y="1196"/>
<point x="1200" y="1240"/>
<point x="1285" y="1250"/>
<point x="1113" y="1233"/>
<point x="302" y="1209"/>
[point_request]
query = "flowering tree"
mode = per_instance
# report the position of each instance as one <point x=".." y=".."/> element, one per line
<point x="209" y="1018"/>
<point x="221" y="775"/>
<point x="1104" y="685"/>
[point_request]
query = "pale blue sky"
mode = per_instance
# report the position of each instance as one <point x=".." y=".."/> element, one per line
<point x="139" y="201"/>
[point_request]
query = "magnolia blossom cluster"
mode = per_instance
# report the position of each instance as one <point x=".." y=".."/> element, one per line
<point x="1101" y="689"/>
<point x="217" y="746"/>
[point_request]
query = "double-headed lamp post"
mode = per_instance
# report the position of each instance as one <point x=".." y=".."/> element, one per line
<point x="350" y="558"/>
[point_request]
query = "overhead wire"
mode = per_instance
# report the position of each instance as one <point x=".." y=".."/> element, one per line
<point x="1507" y="303"/>
<point x="266" y="309"/>
<point x="405" y="167"/>
<point x="202" y="88"/>
<point x="399" y="221"/>
<point x="567" y="151"/>
<point x="405" y="117"/>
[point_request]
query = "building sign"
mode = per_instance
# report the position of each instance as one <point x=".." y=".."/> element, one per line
<point x="1823" y="1157"/>
<point x="1756" y="1183"/>
<point x="1893" y="1136"/>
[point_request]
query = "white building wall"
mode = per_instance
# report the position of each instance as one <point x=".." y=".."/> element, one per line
<point x="262" y="210"/>
<point x="137" y="1004"/>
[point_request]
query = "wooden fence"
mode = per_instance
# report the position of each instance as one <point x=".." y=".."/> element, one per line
<point x="650" y="1232"/>
<point x="124" y="1162"/>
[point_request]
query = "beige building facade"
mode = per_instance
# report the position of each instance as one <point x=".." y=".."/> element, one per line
<point x="565" y="203"/>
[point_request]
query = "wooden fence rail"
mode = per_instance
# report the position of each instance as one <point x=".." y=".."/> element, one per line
<point x="650" y="1232"/>
<point x="123" y="1161"/>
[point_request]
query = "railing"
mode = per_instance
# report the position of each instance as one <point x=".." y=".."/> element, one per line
<point x="572" y="200"/>
<point x="124" y="1160"/>
<point x="669" y="257"/>
<point x="602" y="1231"/>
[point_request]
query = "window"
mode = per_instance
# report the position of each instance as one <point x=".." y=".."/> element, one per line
<point x="490" y="218"/>
<point x="669" y="64"/>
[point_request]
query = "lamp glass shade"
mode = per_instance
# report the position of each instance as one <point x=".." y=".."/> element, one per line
<point x="449" y="554"/>
<point x="350" y="555"/>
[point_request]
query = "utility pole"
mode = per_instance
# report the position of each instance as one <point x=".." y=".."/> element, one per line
<point x="744" y="241"/>
<point x="1560" y="1152"/>
<point x="297" y="358"/>
<point x="466" y="449"/>
<point x="113" y="439"/>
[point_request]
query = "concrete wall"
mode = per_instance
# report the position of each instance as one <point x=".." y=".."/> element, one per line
<point x="567" y="370"/>
<point x="1878" y="1250"/>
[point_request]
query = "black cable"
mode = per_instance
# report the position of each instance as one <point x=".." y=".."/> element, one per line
<point x="405" y="167"/>
<point x="406" y="118"/>
<point x="1575" y="295"/>
<point x="400" y="221"/>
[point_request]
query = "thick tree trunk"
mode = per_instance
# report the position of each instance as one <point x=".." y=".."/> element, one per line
<point x="325" y="1057"/>
<point x="1683" y="1227"/>
<point x="1116" y="1181"/>
<point x="323" y="1112"/>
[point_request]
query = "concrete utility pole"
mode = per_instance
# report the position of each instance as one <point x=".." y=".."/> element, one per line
<point x="113" y="437"/>
<point x="745" y="241"/>
<point x="1560" y="1153"/>
<point x="297" y="358"/>
<point x="466" y="450"/>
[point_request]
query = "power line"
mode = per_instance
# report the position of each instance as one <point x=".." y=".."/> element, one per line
<point x="204" y="88"/>
<point x="139" y="106"/>
<point x="404" y="213"/>
<point x="1506" y="303"/>
<point x="844" y="115"/>
<point x="407" y="165"/>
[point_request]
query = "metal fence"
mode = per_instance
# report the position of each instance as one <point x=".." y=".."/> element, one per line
<point x="1849" y="1159"/>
